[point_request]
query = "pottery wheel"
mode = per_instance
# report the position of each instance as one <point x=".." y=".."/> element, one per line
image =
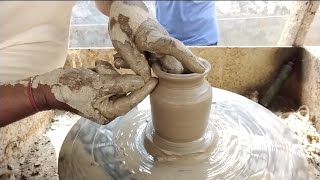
<point x="249" y="142"/>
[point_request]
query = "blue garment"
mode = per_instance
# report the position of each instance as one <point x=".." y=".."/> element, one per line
<point x="192" y="22"/>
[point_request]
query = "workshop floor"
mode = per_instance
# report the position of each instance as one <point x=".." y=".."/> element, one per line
<point x="42" y="160"/>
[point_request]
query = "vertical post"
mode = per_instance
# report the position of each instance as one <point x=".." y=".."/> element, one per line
<point x="298" y="23"/>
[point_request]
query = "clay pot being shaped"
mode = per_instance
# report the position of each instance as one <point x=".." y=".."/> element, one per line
<point x="180" y="105"/>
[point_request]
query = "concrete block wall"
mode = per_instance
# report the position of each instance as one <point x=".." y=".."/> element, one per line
<point x="304" y="83"/>
<point x="310" y="80"/>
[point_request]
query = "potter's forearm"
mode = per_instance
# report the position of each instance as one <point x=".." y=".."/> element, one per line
<point x="15" y="102"/>
<point x="104" y="6"/>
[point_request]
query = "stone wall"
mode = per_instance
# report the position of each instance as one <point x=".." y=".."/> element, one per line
<point x="241" y="23"/>
<point x="311" y="80"/>
<point x="304" y="83"/>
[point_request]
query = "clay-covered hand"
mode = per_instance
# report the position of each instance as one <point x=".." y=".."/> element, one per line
<point x="134" y="31"/>
<point x="100" y="94"/>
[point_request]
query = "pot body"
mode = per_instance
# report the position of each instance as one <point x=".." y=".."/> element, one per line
<point x="180" y="105"/>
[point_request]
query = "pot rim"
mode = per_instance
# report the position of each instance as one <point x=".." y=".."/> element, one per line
<point x="161" y="74"/>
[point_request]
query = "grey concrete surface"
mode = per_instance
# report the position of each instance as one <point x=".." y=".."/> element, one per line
<point x="89" y="36"/>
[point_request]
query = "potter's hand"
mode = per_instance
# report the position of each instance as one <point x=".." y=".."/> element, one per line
<point x="134" y="31"/>
<point x="100" y="94"/>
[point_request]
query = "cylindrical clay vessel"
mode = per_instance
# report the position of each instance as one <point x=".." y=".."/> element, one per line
<point x="180" y="105"/>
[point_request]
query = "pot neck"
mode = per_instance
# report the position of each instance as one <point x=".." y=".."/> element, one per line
<point x="181" y="83"/>
<point x="181" y="80"/>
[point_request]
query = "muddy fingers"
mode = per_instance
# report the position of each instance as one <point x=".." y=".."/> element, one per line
<point x="134" y="31"/>
<point x="135" y="60"/>
<point x="159" y="43"/>
<point x="178" y="50"/>
<point x="125" y="104"/>
<point x="125" y="83"/>
<point x="120" y="63"/>
<point x="171" y="65"/>
<point x="92" y="94"/>
<point x="103" y="67"/>
<point x="112" y="107"/>
<point x="186" y="57"/>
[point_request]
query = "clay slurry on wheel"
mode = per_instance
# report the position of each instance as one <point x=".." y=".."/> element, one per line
<point x="250" y="143"/>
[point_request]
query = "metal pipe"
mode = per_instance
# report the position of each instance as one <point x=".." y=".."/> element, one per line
<point x="276" y="84"/>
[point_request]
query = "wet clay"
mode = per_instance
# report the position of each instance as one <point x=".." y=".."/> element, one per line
<point x="169" y="64"/>
<point x="133" y="31"/>
<point x="180" y="105"/>
<point x="100" y="95"/>
<point x="164" y="150"/>
<point x="249" y="142"/>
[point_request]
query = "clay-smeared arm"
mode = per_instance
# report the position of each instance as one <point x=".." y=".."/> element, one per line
<point x="101" y="94"/>
<point x="15" y="103"/>
<point x="134" y="31"/>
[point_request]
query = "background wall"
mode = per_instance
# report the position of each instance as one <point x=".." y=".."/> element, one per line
<point x="241" y="23"/>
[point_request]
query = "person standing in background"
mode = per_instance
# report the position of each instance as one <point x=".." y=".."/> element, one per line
<point x="192" y="22"/>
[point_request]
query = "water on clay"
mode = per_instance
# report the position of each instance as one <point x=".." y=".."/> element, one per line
<point x="247" y="141"/>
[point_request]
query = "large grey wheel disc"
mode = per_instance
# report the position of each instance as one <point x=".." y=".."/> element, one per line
<point x="250" y="142"/>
